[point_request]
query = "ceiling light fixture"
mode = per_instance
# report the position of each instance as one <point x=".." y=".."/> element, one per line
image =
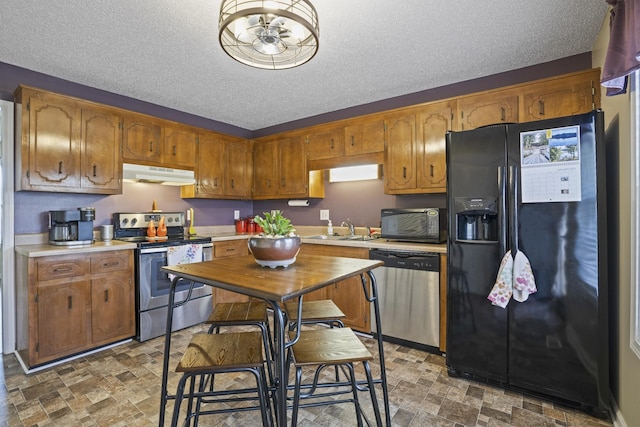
<point x="272" y="35"/>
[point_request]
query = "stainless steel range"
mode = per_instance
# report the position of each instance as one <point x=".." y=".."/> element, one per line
<point x="152" y="284"/>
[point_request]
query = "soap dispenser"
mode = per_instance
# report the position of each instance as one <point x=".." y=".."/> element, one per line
<point x="329" y="229"/>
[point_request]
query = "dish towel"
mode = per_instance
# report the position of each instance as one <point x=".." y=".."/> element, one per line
<point x="185" y="254"/>
<point x="515" y="278"/>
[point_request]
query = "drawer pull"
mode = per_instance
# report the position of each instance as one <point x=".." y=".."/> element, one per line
<point x="541" y="107"/>
<point x="503" y="115"/>
<point x="352" y="141"/>
<point x="70" y="302"/>
<point x="151" y="146"/>
<point x="106" y="295"/>
<point x="110" y="264"/>
<point x="62" y="270"/>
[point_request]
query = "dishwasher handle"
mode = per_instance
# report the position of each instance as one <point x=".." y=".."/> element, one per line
<point x="426" y="261"/>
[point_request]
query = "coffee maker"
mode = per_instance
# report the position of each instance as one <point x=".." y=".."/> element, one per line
<point x="73" y="227"/>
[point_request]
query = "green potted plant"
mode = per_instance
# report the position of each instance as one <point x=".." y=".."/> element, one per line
<point x="277" y="245"/>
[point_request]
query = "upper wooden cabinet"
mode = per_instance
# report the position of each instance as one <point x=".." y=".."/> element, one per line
<point x="326" y="144"/>
<point x="280" y="170"/>
<point x="67" y="145"/>
<point x="101" y="164"/>
<point x="574" y="94"/>
<point x="401" y="153"/>
<point x="434" y="121"/>
<point x="486" y="109"/>
<point x="415" y="158"/>
<point x="153" y="141"/>
<point x="142" y="140"/>
<point x="179" y="146"/>
<point x="222" y="168"/>
<point x="364" y="136"/>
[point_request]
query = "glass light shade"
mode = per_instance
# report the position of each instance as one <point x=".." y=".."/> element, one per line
<point x="272" y="35"/>
<point x="354" y="173"/>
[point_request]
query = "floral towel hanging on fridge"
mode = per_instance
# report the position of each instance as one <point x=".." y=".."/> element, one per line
<point x="515" y="279"/>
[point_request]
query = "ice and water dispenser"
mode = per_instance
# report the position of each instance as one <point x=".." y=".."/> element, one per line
<point x="476" y="219"/>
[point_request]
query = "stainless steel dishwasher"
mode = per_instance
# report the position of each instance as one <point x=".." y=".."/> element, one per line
<point x="409" y="292"/>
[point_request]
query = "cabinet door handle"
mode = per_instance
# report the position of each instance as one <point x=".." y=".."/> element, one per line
<point x="95" y="168"/>
<point x="332" y="143"/>
<point x="269" y="183"/>
<point x="404" y="171"/>
<point x="352" y="141"/>
<point x="431" y="170"/>
<point x="233" y="183"/>
<point x="541" y="107"/>
<point x="174" y="150"/>
<point x="503" y="114"/>
<point x="283" y="183"/>
<point x="59" y="167"/>
<point x="215" y="181"/>
<point x="151" y="146"/>
<point x="70" y="302"/>
<point x="106" y="295"/>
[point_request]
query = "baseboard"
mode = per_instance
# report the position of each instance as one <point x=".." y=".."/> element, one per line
<point x="28" y="370"/>
<point x="618" y="419"/>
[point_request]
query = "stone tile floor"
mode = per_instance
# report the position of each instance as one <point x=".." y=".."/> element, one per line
<point x="121" y="387"/>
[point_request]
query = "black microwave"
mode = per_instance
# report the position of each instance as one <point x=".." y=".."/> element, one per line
<point x="424" y="225"/>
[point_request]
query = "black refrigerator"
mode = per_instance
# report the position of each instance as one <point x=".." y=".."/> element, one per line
<point x="536" y="189"/>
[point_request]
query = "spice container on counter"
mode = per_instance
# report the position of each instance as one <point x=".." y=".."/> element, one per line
<point x="241" y="225"/>
<point x="251" y="225"/>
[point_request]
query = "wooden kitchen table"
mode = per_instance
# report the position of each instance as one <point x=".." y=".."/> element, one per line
<point x="276" y="285"/>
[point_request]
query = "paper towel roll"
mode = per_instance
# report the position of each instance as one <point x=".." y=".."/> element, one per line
<point x="298" y="203"/>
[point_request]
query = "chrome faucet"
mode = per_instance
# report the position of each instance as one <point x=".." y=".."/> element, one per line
<point x="348" y="223"/>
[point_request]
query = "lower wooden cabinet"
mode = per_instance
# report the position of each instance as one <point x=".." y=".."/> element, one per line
<point x="346" y="294"/>
<point x="225" y="249"/>
<point x="72" y="303"/>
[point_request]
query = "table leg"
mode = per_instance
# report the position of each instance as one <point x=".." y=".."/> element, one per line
<point x="167" y="344"/>
<point x="280" y="383"/>
<point x="167" y="348"/>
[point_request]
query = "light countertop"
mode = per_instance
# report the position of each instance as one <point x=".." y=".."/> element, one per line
<point x="36" y="246"/>
<point x="45" y="249"/>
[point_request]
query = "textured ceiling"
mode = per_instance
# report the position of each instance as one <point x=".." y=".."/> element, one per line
<point x="166" y="52"/>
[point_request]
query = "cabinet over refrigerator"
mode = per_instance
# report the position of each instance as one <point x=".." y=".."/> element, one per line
<point x="527" y="288"/>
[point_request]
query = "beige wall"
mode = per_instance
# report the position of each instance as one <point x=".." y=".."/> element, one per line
<point x="626" y="365"/>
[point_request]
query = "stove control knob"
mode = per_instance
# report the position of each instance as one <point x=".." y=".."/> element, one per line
<point x="133" y="221"/>
<point x="125" y="221"/>
<point x="170" y="219"/>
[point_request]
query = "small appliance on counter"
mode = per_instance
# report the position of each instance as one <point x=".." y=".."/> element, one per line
<point x="424" y="225"/>
<point x="71" y="228"/>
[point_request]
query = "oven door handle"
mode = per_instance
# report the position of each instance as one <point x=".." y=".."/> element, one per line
<point x="155" y="250"/>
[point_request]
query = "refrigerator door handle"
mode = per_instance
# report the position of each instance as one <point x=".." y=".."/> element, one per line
<point x="502" y="209"/>
<point x="513" y="208"/>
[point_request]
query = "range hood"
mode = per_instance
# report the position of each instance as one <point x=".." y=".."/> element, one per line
<point x="157" y="175"/>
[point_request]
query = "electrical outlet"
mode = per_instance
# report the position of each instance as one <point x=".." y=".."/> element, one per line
<point x="236" y="214"/>
<point x="324" y="214"/>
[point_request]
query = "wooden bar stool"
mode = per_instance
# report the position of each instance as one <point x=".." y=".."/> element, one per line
<point x="321" y="311"/>
<point x="251" y="313"/>
<point x="209" y="354"/>
<point x="331" y="347"/>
